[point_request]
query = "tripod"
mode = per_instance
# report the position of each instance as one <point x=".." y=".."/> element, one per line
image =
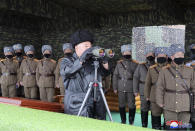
<point x="95" y="84"/>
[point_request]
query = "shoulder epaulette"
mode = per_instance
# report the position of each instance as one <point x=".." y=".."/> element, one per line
<point x="119" y="61"/>
<point x="167" y="66"/>
<point x="193" y="64"/>
<point x="60" y="59"/>
<point x="41" y="60"/>
<point x="143" y="63"/>
<point x="2" y="60"/>
<point x="15" y="61"/>
<point x="52" y="60"/>
<point x="36" y="60"/>
<point x="135" y="61"/>
<point x="14" y="57"/>
<point x="155" y="65"/>
<point x="24" y="57"/>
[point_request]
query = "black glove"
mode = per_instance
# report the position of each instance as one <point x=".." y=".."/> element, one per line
<point x="105" y="60"/>
<point x="86" y="55"/>
<point x="148" y="102"/>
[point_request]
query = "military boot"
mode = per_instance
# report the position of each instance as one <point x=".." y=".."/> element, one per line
<point x="192" y="121"/>
<point x="144" y="117"/>
<point x="156" y="122"/>
<point x="132" y="115"/>
<point x="123" y="115"/>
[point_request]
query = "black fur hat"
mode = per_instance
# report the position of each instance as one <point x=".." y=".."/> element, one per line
<point x="81" y="36"/>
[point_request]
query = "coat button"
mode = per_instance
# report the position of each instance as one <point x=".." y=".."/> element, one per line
<point x="176" y="110"/>
<point x="176" y="102"/>
<point x="176" y="84"/>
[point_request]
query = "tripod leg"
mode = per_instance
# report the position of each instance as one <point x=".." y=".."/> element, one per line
<point x="85" y="99"/>
<point x="107" y="108"/>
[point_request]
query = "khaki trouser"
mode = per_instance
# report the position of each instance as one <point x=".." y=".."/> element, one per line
<point x="8" y="91"/>
<point x="183" y="117"/>
<point x="156" y="110"/>
<point x="47" y="93"/>
<point x="31" y="92"/>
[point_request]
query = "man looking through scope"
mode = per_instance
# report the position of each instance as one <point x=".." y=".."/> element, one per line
<point x="78" y="71"/>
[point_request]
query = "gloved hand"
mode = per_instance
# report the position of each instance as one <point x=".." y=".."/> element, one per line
<point x="86" y="55"/>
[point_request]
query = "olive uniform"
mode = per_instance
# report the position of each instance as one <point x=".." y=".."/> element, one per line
<point x="59" y="81"/>
<point x="58" y="78"/>
<point x="150" y="92"/>
<point x="28" y="77"/>
<point x="192" y="119"/>
<point x="172" y="92"/>
<point x="46" y="79"/>
<point x="123" y="83"/>
<point x="9" y="77"/>
<point x="19" y="58"/>
<point x="20" y="89"/>
<point x="138" y="87"/>
<point x="192" y="64"/>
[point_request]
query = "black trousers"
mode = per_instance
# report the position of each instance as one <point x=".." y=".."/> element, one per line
<point x="97" y="109"/>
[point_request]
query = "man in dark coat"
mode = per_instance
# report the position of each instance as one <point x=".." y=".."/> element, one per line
<point x="78" y="71"/>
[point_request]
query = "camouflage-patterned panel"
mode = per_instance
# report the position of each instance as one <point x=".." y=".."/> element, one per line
<point x="155" y="36"/>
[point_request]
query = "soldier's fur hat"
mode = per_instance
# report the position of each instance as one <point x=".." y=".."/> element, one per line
<point x="28" y="48"/>
<point x="7" y="49"/>
<point x="174" y="48"/>
<point x="67" y="46"/>
<point x="126" y="48"/>
<point x="161" y="50"/>
<point x="17" y="46"/>
<point x="46" y="47"/>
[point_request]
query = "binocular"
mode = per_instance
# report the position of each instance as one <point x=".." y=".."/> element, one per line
<point x="101" y="52"/>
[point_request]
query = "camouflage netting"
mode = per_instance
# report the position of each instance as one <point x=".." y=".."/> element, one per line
<point x="155" y="36"/>
<point x="42" y="21"/>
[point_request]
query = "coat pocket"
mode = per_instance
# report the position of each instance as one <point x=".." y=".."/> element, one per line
<point x="73" y="102"/>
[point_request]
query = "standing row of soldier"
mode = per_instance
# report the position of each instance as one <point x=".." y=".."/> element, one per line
<point x="26" y="75"/>
<point x="164" y="88"/>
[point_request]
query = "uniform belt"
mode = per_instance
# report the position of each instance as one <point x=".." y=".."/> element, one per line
<point x="29" y="74"/>
<point x="124" y="91"/>
<point x="9" y="74"/>
<point x="179" y="92"/>
<point x="125" y="79"/>
<point x="142" y="82"/>
<point x="47" y="75"/>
